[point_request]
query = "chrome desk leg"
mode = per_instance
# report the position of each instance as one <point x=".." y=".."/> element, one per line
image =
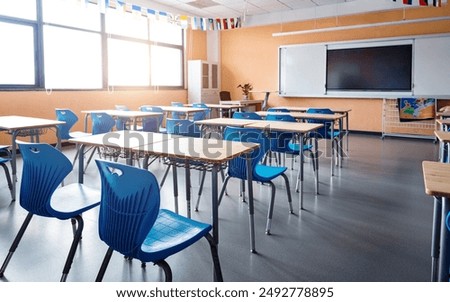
<point x="443" y="257"/>
<point x="251" y="210"/>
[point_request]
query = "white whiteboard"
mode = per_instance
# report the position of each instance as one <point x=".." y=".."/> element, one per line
<point x="432" y="66"/>
<point x="302" y="70"/>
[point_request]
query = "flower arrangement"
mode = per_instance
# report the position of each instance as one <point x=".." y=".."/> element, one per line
<point x="246" y="88"/>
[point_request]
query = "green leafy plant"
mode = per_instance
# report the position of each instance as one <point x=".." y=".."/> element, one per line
<point x="246" y="88"/>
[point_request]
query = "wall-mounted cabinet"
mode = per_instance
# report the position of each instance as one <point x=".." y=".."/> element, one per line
<point x="203" y="82"/>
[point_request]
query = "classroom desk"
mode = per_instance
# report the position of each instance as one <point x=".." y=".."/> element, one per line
<point x="218" y="124"/>
<point x="188" y="111"/>
<point x="317" y="116"/>
<point x="444" y="139"/>
<point x="221" y="108"/>
<point x="301" y="129"/>
<point x="14" y="124"/>
<point x="131" y="114"/>
<point x="444" y="124"/>
<point x="344" y="111"/>
<point x="212" y="155"/>
<point x="245" y="103"/>
<point x="436" y="180"/>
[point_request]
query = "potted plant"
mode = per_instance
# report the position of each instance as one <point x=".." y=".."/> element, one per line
<point x="246" y="88"/>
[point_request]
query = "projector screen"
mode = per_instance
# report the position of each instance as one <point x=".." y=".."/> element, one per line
<point x="379" y="68"/>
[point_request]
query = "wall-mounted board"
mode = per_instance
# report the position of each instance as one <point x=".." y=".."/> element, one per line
<point x="303" y="68"/>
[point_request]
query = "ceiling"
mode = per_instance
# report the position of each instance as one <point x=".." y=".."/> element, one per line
<point x="235" y="8"/>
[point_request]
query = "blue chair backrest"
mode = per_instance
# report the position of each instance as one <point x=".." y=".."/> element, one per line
<point x="44" y="168"/>
<point x="129" y="206"/>
<point x="68" y="116"/>
<point x="247" y="115"/>
<point x="198" y="116"/>
<point x="278" y="110"/>
<point x="182" y="127"/>
<point x="237" y="167"/>
<point x="102" y="122"/>
<point x="324" y="131"/>
<point x="121" y="123"/>
<point x="279" y="140"/>
<point x="177" y="115"/>
<point x="152" y="124"/>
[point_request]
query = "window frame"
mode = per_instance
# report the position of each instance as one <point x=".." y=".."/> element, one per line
<point x="38" y="29"/>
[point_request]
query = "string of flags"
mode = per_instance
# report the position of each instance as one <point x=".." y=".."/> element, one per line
<point x="196" y="23"/>
<point x="436" y="3"/>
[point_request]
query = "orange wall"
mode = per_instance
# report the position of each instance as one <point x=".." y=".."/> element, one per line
<point x="251" y="55"/>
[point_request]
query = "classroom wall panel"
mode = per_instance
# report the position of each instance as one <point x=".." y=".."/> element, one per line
<point x="242" y="62"/>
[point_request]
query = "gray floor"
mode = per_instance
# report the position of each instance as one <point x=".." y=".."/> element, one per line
<point x="371" y="222"/>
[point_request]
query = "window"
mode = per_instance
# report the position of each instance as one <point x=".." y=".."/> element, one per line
<point x="128" y="63"/>
<point x="23" y="9"/>
<point x="72" y="13"/>
<point x="166" y="66"/>
<point x="73" y="59"/>
<point x="17" y="54"/>
<point x="56" y="44"/>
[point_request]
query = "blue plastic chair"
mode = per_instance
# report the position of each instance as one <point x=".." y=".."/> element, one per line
<point x="70" y="119"/>
<point x="247" y="115"/>
<point x="287" y="143"/>
<point x="198" y="116"/>
<point x="182" y="127"/>
<point x="122" y="123"/>
<point x="132" y="223"/>
<point x="44" y="168"/>
<point x="278" y="109"/>
<point x="101" y="123"/>
<point x="177" y="115"/>
<point x="5" y="157"/>
<point x="148" y="124"/>
<point x="152" y="124"/>
<point x="237" y="167"/>
<point x="284" y="142"/>
<point x="326" y="132"/>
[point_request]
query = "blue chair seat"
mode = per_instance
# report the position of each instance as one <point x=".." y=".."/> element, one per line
<point x="170" y="234"/>
<point x="81" y="198"/>
<point x="295" y="148"/>
<point x="267" y="173"/>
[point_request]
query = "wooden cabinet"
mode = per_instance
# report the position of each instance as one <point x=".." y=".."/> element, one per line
<point x="203" y="82"/>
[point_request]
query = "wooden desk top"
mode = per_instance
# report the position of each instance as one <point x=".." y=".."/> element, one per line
<point x="444" y="114"/>
<point x="206" y="150"/>
<point x="125" y="113"/>
<point x="304" y="115"/>
<point x="234" y="122"/>
<point x="16" y="122"/>
<point x="221" y="106"/>
<point x="125" y="139"/>
<point x="443" y="136"/>
<point x="284" y="126"/>
<point x="436" y="178"/>
<point x="304" y="109"/>
<point x="182" y="109"/>
<point x="241" y="102"/>
<point x="443" y="122"/>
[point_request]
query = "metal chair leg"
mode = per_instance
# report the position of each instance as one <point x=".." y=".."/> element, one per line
<point x="15" y="243"/>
